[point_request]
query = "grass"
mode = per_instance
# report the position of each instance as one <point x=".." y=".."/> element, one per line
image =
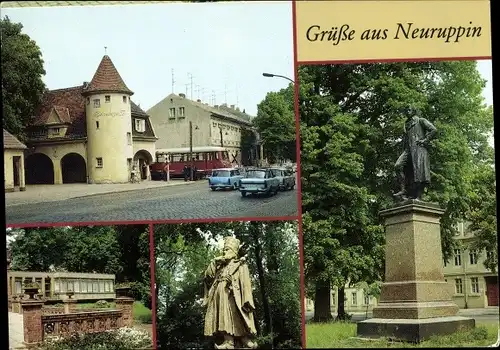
<point x="140" y="312"/>
<point x="340" y="335"/>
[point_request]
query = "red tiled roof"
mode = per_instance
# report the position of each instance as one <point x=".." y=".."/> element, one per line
<point x="107" y="79"/>
<point x="70" y="107"/>
<point x="11" y="142"/>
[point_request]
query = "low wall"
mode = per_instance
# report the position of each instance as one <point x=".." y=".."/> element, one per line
<point x="80" y="322"/>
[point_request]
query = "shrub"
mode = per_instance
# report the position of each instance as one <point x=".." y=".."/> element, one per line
<point x="123" y="338"/>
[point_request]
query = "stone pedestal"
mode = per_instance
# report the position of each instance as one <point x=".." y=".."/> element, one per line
<point x="415" y="300"/>
<point x="69" y="305"/>
<point x="125" y="304"/>
<point x="32" y="321"/>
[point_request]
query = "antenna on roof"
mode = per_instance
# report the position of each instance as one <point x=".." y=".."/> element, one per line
<point x="225" y="93"/>
<point x="173" y="81"/>
<point x="237" y="97"/>
<point x="190" y="76"/>
<point x="105" y="50"/>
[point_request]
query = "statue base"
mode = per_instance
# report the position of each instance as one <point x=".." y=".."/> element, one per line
<point x="415" y="301"/>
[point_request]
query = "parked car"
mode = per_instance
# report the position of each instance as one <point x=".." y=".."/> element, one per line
<point x="286" y="178"/>
<point x="225" y="178"/>
<point x="258" y="181"/>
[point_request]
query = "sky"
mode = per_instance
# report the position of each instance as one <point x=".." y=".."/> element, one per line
<point x="225" y="47"/>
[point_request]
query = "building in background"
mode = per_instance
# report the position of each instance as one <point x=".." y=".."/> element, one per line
<point x="211" y="125"/>
<point x="92" y="133"/>
<point x="473" y="285"/>
<point x="13" y="163"/>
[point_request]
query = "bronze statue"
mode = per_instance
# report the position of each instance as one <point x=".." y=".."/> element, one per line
<point x="413" y="165"/>
<point x="229" y="301"/>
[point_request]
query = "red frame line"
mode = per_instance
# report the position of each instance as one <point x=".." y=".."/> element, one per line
<point x="153" y="282"/>
<point x="395" y="60"/>
<point x="299" y="182"/>
<point x="156" y="222"/>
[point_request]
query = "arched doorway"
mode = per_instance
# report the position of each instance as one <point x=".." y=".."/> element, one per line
<point x="73" y="169"/>
<point x="39" y="169"/>
<point x="143" y="159"/>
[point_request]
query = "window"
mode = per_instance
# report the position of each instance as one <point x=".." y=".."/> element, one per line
<point x="77" y="287"/>
<point x="56" y="131"/>
<point x="171" y="113"/>
<point x="458" y="286"/>
<point x="99" y="162"/>
<point x="97" y="125"/>
<point x="473" y="257"/>
<point x="124" y="99"/>
<point x="367" y="300"/>
<point x="129" y="138"/>
<point x="140" y="125"/>
<point x="458" y="257"/>
<point x="181" y="112"/>
<point x="107" y="99"/>
<point x="95" y="287"/>
<point x="88" y="100"/>
<point x="97" y="103"/>
<point x="354" y="298"/>
<point x="57" y="286"/>
<point x="474" y="285"/>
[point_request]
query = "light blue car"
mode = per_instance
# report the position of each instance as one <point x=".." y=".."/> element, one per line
<point x="225" y="178"/>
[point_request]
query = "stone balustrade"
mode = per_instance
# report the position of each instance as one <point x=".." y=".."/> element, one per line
<point x="41" y="322"/>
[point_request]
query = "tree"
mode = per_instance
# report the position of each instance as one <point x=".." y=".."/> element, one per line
<point x="351" y="129"/>
<point x="22" y="72"/>
<point x="275" y="122"/>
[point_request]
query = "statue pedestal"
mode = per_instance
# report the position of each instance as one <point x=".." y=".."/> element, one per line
<point x="415" y="301"/>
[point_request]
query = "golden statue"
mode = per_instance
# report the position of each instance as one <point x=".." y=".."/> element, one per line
<point x="229" y="300"/>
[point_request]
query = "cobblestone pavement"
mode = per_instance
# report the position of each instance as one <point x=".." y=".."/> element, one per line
<point x="195" y="201"/>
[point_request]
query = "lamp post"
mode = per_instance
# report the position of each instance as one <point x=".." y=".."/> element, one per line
<point x="270" y="75"/>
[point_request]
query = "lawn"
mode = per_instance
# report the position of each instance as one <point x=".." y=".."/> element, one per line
<point x="140" y="312"/>
<point x="340" y="335"/>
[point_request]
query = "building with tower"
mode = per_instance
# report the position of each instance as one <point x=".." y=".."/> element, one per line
<point x="91" y="133"/>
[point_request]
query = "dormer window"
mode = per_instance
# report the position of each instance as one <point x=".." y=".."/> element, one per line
<point x="124" y="99"/>
<point x="107" y="99"/>
<point x="97" y="103"/>
<point x="55" y="131"/>
<point x="140" y="125"/>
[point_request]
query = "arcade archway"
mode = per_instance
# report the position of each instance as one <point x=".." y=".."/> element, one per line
<point x="39" y="169"/>
<point x="73" y="169"/>
<point x="143" y="159"/>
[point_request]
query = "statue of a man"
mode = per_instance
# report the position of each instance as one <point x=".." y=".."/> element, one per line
<point x="413" y="165"/>
<point x="229" y="300"/>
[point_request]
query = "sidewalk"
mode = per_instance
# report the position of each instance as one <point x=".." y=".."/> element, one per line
<point x="51" y="193"/>
<point x="16" y="335"/>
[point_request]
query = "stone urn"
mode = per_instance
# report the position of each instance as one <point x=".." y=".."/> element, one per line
<point x="31" y="289"/>
<point x="70" y="294"/>
<point x="122" y="290"/>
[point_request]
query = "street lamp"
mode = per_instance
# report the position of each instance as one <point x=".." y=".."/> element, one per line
<point x="270" y="75"/>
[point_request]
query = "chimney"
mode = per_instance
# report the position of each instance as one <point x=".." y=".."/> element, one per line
<point x="237" y="109"/>
<point x="233" y="106"/>
<point x="198" y="100"/>
<point x="182" y="95"/>
<point x="216" y="106"/>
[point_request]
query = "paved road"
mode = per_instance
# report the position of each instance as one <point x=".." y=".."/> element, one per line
<point x="195" y="201"/>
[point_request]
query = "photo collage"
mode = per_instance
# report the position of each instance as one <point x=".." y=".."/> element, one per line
<point x="249" y="174"/>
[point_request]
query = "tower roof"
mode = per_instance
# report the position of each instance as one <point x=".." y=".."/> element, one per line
<point x="107" y="79"/>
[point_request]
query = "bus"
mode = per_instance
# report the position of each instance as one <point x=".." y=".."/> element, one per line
<point x="204" y="160"/>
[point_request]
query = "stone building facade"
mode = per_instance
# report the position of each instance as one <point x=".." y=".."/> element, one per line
<point x="212" y="125"/>
<point x="13" y="163"/>
<point x="91" y="133"/>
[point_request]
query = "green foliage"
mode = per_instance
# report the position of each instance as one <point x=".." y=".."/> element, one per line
<point x="275" y="122"/>
<point x="351" y="127"/>
<point x="184" y="251"/>
<point x="22" y="71"/>
<point x="120" y="250"/>
<point x="109" y="340"/>
<point x="141" y="313"/>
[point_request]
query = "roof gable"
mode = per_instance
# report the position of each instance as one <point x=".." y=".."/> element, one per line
<point x="11" y="142"/>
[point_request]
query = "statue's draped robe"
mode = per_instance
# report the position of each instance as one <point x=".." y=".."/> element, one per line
<point x="418" y="169"/>
<point x="230" y="305"/>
